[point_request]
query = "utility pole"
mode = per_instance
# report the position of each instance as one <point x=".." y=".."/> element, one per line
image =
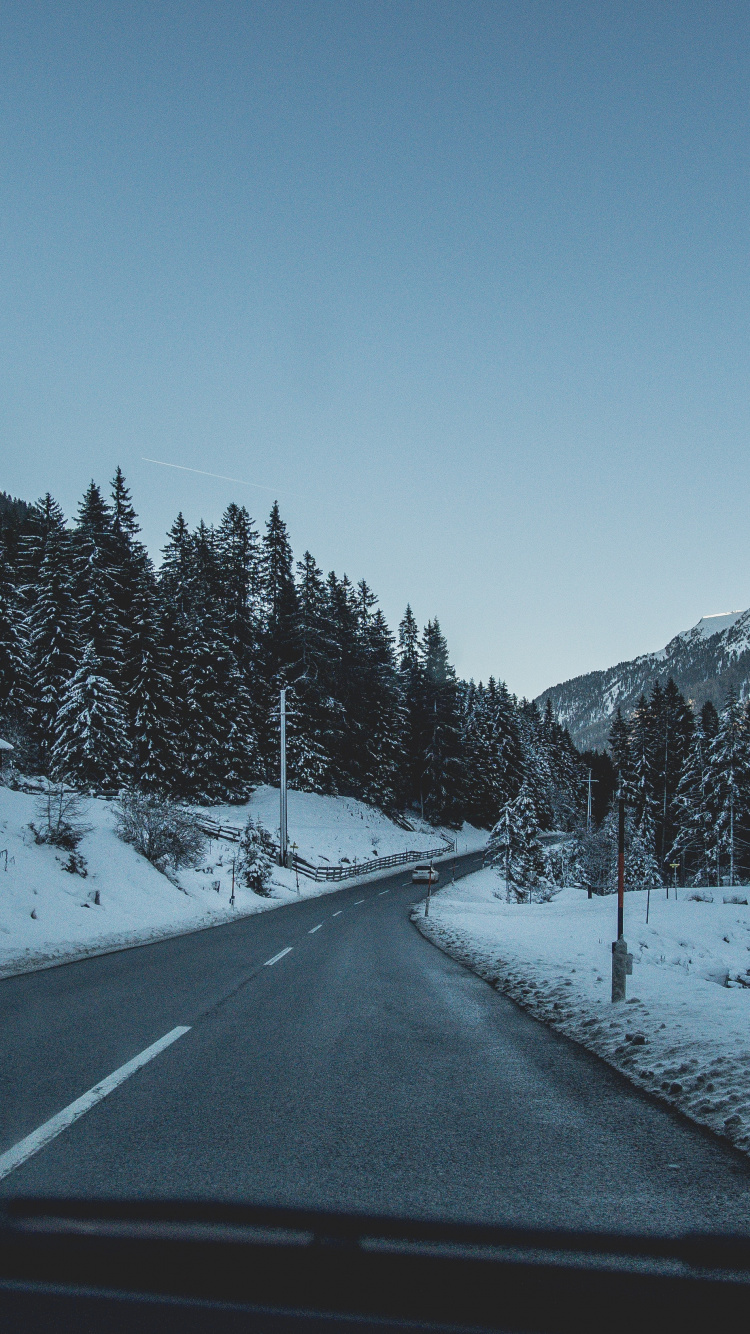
<point x="622" y="962"/>
<point x="282" y="786"/>
<point x="588" y="807"/>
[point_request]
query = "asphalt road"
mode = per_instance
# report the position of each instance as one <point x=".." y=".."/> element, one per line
<point x="362" y="1070"/>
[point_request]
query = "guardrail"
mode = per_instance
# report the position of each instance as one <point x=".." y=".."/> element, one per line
<point x="231" y="833"/>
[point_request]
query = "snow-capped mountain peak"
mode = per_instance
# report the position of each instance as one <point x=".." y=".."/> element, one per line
<point x="704" y="661"/>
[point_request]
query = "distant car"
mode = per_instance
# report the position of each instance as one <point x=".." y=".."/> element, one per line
<point x="422" y="874"/>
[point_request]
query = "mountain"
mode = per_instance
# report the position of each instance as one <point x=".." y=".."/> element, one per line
<point x="704" y="662"/>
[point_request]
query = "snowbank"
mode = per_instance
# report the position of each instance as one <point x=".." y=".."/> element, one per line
<point x="683" y="1034"/>
<point x="136" y="903"/>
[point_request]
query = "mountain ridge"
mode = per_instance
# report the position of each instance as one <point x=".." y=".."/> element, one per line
<point x="705" y="661"/>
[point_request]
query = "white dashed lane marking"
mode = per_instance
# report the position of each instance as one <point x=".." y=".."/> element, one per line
<point x="278" y="956"/>
<point x="357" y="902"/>
<point x="337" y="914"/>
<point x="313" y="929"/>
<point x="27" y="1147"/>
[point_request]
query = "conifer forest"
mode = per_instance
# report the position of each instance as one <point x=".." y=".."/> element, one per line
<point x="115" y="673"/>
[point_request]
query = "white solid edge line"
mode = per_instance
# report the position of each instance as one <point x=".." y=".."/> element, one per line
<point x="278" y="956"/>
<point x="313" y="929"/>
<point x="27" y="1147"/>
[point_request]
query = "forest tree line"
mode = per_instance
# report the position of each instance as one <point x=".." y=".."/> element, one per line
<point x="115" y="673"/>
<point x="686" y="779"/>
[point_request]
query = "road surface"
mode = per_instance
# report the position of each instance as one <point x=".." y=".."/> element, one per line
<point x="324" y="1054"/>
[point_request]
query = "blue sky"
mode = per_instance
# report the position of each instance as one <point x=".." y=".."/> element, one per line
<point x="464" y="284"/>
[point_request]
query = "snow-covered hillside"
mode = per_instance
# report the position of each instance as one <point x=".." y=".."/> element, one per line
<point x="137" y="903"/>
<point x="704" y="662"/>
<point x="684" y="1032"/>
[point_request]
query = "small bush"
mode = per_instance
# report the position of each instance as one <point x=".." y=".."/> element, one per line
<point x="163" y="832"/>
<point x="60" y="818"/>
<point x="255" y="857"/>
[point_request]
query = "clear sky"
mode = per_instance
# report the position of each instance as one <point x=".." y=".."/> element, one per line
<point x="465" y="284"/>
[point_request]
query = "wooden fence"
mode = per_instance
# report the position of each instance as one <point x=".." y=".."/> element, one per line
<point x="343" y="871"/>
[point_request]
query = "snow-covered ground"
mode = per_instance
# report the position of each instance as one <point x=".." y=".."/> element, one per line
<point x="340" y="829"/>
<point x="683" y="1033"/>
<point x="137" y="903"/>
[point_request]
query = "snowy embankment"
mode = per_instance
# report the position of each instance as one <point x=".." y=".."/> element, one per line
<point x="48" y="915"/>
<point x="683" y="1033"/>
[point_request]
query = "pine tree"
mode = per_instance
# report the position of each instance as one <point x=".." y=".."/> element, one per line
<point x="12" y="650"/>
<point x="238" y="563"/>
<point x="641" y="862"/>
<point x="694" y="833"/>
<point x="281" y="646"/>
<point x="176" y="573"/>
<point x="46" y="518"/>
<point x="442" y="773"/>
<point x="619" y="746"/>
<point x="91" y="745"/>
<point x="515" y="848"/>
<point x="97" y="582"/>
<point x="219" y="747"/>
<point x="53" y="644"/>
<point x="728" y="780"/>
<point x="148" y="696"/>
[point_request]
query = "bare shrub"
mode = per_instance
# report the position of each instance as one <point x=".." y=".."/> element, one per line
<point x="60" y="821"/>
<point x="163" y="832"/>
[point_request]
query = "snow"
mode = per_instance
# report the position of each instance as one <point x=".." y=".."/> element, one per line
<point x="714" y="624"/>
<point x="336" y="829"/>
<point x="683" y="1033"/>
<point x="138" y="903"/>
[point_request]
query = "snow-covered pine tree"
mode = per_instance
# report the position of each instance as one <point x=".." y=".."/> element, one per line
<point x="728" y="782"/>
<point x="414" y="740"/>
<point x="91" y="748"/>
<point x="148" y="694"/>
<point x="53" y="644"/>
<point x="515" y="850"/>
<point x="238" y="562"/>
<point x="383" y="709"/>
<point x="315" y="722"/>
<point x="130" y="561"/>
<point x="176" y="572"/>
<point x="641" y="787"/>
<point x="671" y="730"/>
<point x="46" y="517"/>
<point x="97" y="583"/>
<point x="280" y="641"/>
<point x="694" y="838"/>
<point x="641" y="862"/>
<point x="443" y="776"/>
<point x="619" y="747"/>
<point x="219" y="748"/>
<point x="12" y="647"/>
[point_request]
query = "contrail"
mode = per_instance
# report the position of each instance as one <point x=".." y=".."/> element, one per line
<point x="219" y="475"/>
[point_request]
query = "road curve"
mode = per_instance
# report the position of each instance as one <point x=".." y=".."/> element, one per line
<point x="327" y="1055"/>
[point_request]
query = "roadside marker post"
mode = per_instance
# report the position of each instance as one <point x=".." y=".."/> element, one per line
<point x="429" y="893"/>
<point x="622" y="962"/>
